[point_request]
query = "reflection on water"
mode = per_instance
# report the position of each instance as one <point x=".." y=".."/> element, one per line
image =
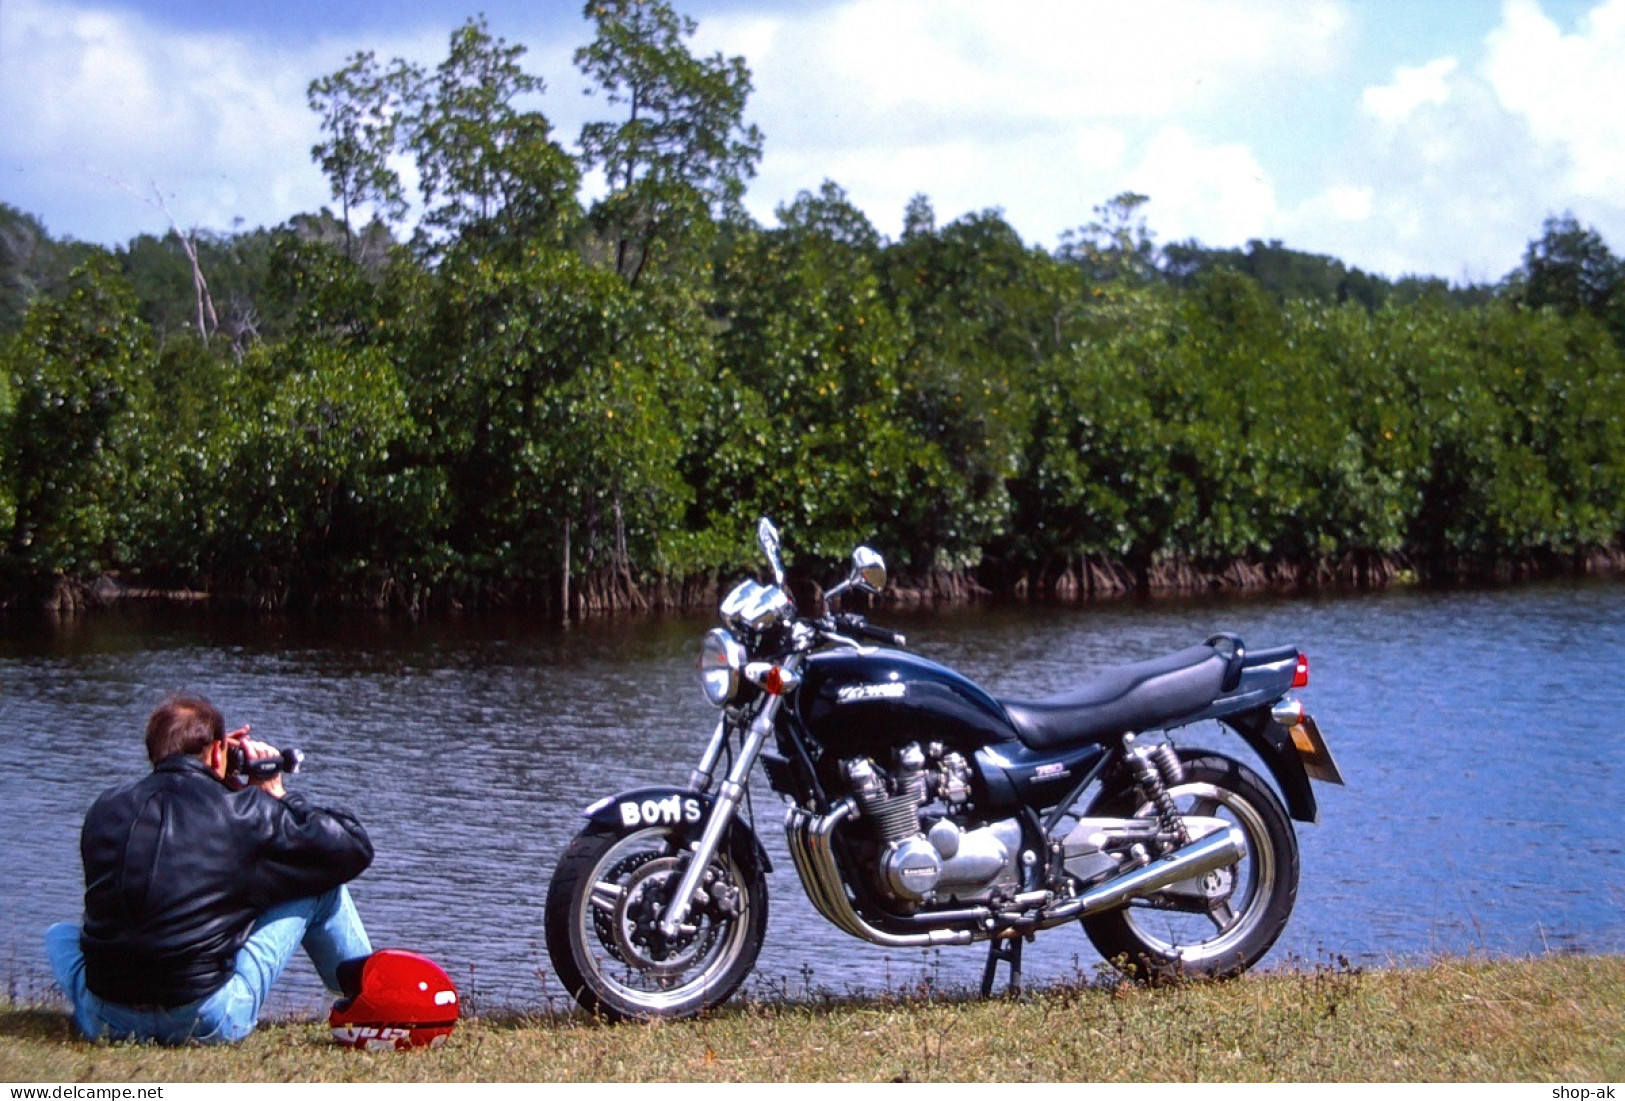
<point x="1480" y="733"/>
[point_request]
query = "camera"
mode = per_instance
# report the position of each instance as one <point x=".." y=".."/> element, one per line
<point x="238" y="764"/>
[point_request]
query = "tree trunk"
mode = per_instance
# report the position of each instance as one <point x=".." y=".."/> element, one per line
<point x="564" y="586"/>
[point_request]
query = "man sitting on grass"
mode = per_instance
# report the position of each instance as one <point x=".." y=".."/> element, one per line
<point x="199" y="885"/>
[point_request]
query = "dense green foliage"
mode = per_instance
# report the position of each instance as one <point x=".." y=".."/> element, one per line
<point x="536" y="396"/>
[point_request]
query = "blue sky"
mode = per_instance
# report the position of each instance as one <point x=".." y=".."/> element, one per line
<point x="1402" y="136"/>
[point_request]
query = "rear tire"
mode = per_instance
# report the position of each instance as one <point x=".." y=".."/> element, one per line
<point x="603" y="908"/>
<point x="1164" y="937"/>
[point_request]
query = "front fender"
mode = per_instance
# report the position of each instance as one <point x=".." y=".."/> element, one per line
<point x="673" y="806"/>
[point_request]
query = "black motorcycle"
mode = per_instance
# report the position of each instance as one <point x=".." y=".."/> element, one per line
<point x="923" y="811"/>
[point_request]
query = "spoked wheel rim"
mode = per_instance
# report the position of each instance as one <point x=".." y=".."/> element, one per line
<point x="617" y="924"/>
<point x="1180" y="926"/>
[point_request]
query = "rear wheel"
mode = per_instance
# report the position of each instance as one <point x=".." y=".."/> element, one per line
<point x="603" y="916"/>
<point x="1224" y="922"/>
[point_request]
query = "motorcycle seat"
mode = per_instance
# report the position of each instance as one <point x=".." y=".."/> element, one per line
<point x="1143" y="695"/>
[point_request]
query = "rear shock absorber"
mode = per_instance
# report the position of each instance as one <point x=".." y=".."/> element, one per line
<point x="1155" y="769"/>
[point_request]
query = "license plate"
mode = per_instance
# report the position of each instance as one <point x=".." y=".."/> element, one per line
<point x="1316" y="754"/>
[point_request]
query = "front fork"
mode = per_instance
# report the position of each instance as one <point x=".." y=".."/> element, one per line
<point x="729" y="793"/>
<point x="700" y="779"/>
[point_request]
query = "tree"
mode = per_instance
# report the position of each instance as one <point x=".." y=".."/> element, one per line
<point x="831" y="216"/>
<point x="1286" y="273"/>
<point x="161" y="276"/>
<point x="315" y="291"/>
<point x="79" y="375"/>
<point x="360" y="108"/>
<point x="984" y="311"/>
<point x="309" y="502"/>
<point x="919" y="217"/>
<point x="1097" y="478"/>
<point x="541" y="388"/>
<point x="1117" y="244"/>
<point x="165" y="272"/>
<point x="491" y="172"/>
<point x="682" y="154"/>
<point x="1571" y="269"/>
<point x="32" y="265"/>
<point x="809" y="424"/>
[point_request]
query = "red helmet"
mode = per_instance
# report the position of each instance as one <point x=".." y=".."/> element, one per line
<point x="393" y="1000"/>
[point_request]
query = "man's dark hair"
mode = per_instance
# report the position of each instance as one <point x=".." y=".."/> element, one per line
<point x="183" y="724"/>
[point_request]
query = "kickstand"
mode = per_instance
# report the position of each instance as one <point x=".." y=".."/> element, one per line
<point x="1007" y="949"/>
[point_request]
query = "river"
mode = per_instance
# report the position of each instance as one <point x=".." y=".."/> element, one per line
<point x="1482" y="734"/>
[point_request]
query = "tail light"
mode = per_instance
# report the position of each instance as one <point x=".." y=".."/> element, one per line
<point x="1300" y="676"/>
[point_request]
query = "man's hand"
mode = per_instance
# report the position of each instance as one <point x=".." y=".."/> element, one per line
<point x="258" y="751"/>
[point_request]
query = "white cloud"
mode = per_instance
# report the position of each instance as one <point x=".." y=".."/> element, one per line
<point x="97" y="101"/>
<point x="102" y="108"/>
<point x="1341" y="209"/>
<point x="1057" y="59"/>
<point x="1346" y="204"/>
<point x="1235" y="116"/>
<point x="1217" y="193"/>
<point x="1567" y="88"/>
<point x="1043" y="109"/>
<point x="1412" y="87"/>
<point x="1046" y="109"/>
<point x="1462" y="158"/>
<point x="1453" y="186"/>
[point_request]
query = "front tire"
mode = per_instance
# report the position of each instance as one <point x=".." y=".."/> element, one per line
<point x="1172" y="935"/>
<point x="603" y="909"/>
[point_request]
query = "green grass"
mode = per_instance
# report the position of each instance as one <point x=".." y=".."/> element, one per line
<point x="1557" y="1018"/>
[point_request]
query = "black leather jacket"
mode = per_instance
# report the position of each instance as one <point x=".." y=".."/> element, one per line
<point x="177" y="868"/>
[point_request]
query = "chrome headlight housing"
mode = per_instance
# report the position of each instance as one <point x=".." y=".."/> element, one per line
<point x="721" y="665"/>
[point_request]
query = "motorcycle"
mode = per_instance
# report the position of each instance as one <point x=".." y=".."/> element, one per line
<point x="923" y="811"/>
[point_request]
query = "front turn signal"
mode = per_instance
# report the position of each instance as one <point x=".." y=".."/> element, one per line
<point x="775" y="680"/>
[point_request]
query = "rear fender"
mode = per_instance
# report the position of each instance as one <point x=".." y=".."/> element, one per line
<point x="671" y="806"/>
<point x="1273" y="744"/>
<point x="1254" y="683"/>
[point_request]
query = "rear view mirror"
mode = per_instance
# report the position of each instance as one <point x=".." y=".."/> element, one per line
<point x="868" y="570"/>
<point x="768" y="536"/>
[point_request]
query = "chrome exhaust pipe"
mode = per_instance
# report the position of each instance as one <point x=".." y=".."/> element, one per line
<point x="800" y="828"/>
<point x="809" y="841"/>
<point x="1215" y="851"/>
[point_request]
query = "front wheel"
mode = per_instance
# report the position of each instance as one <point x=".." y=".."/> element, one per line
<point x="1224" y="922"/>
<point x="603" y="916"/>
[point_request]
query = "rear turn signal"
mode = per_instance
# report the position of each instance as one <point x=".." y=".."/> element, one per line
<point x="1300" y="676"/>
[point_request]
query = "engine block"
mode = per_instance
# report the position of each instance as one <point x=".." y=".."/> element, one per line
<point x="926" y="854"/>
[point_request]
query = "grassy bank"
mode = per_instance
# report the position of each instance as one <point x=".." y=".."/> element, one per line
<point x="1559" y="1019"/>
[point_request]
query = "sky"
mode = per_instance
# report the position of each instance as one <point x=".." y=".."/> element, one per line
<point x="1428" y="137"/>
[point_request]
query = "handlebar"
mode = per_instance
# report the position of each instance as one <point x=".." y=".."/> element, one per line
<point x="851" y="623"/>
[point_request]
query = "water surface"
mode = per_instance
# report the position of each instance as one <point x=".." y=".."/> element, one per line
<point x="1481" y="733"/>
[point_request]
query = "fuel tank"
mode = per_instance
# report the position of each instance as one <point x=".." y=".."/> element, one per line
<point x="859" y="704"/>
<point x="862" y="704"/>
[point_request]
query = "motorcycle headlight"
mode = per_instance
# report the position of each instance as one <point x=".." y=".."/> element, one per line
<point x="721" y="663"/>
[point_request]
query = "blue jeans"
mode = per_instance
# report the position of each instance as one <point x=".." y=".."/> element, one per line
<point x="326" y="924"/>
